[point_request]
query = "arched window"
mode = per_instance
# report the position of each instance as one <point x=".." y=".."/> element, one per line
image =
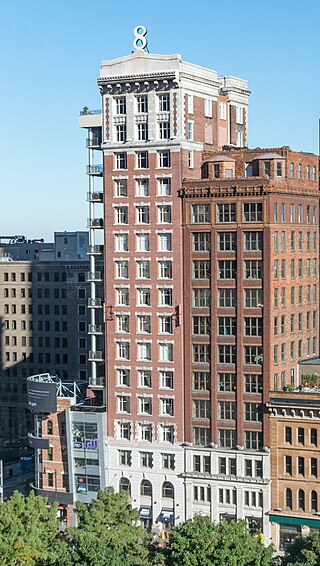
<point x="49" y="427"/>
<point x="146" y="488"/>
<point x="167" y="490"/>
<point x="314" y="501"/>
<point x="125" y="485"/>
<point x="289" y="498"/>
<point x="301" y="499"/>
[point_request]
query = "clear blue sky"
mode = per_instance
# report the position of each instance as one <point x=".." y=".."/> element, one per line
<point x="50" y="52"/>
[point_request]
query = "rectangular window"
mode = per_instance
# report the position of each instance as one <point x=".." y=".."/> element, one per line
<point x="121" y="160"/>
<point x="201" y="269"/>
<point x="226" y="213"/>
<point x="142" y="104"/>
<point x="252" y="212"/>
<point x="164" y="102"/>
<point x="121" y="189"/>
<point x="142" y="131"/>
<point x="165" y="297"/>
<point x="208" y="107"/>
<point x="201" y="409"/>
<point x="121" y="105"/>
<point x="253" y="298"/>
<point x="253" y="355"/>
<point x="164" y="187"/>
<point x="226" y="382"/>
<point x="190" y="130"/>
<point x="222" y="111"/>
<point x="142" y="160"/>
<point x="164" y="130"/>
<point x="200" y="213"/>
<point x="121" y="133"/>
<point x="226" y="354"/>
<point x="253" y="383"/>
<point x="253" y="269"/>
<point x="142" y="187"/>
<point x="201" y="381"/>
<point x="253" y="412"/>
<point x="164" y="159"/>
<point x="292" y="170"/>
<point x="201" y="353"/>
<point x="253" y="241"/>
<point x="226" y="298"/>
<point x="201" y="241"/>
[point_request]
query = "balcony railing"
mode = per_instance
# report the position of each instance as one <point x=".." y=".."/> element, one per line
<point x="90" y="112"/>
<point x="95" y="250"/>
<point x="94" y="276"/>
<point x="95" y="329"/>
<point x="95" y="197"/>
<point x="94" y="303"/>
<point x="94" y="170"/>
<point x="95" y="222"/>
<point x="97" y="382"/>
<point x="96" y="356"/>
<point x="93" y="142"/>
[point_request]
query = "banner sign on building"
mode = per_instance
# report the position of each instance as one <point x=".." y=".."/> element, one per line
<point x="42" y="396"/>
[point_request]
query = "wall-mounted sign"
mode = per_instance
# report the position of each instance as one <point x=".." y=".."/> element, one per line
<point x="42" y="396"/>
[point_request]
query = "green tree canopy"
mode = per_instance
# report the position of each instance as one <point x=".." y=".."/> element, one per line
<point x="29" y="532"/>
<point x="199" y="542"/>
<point x="109" y="533"/>
<point x="303" y="551"/>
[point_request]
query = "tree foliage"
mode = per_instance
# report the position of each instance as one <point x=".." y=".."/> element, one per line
<point x="303" y="551"/>
<point x="109" y="533"/>
<point x="199" y="542"/>
<point x="29" y="532"/>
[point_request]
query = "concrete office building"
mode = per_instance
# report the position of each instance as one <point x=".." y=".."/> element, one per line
<point x="44" y="322"/>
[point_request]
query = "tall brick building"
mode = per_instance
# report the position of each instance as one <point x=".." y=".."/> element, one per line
<point x="211" y="292"/>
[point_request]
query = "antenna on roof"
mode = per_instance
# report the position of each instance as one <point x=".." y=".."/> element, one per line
<point x="140" y="41"/>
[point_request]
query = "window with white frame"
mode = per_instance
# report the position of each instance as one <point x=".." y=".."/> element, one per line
<point x="190" y="103"/>
<point x="142" y="104"/>
<point x="201" y="325"/>
<point x="167" y="433"/>
<point x="166" y="379"/>
<point x="314" y="173"/>
<point x="122" y="323"/>
<point x="123" y="350"/>
<point x="144" y="378"/>
<point x="122" y="296"/>
<point x="191" y="159"/>
<point x="222" y="110"/>
<point x="121" y="242"/>
<point x="165" y="242"/>
<point x="165" y="269"/>
<point x="142" y="187"/>
<point x="239" y="138"/>
<point x="121" y="160"/>
<point x="168" y="461"/>
<point x="164" y="214"/>
<point x="253" y="241"/>
<point x="122" y="269"/>
<point x="144" y="351"/>
<point x="164" y="130"/>
<point x="121" y="215"/>
<point x="143" y="269"/>
<point x="123" y="377"/>
<point x="125" y="457"/>
<point x="142" y="215"/>
<point x="208" y="107"/>
<point x="226" y="269"/>
<point x="166" y="326"/>
<point x="200" y="213"/>
<point x="252" y="212"/>
<point x="146" y="460"/>
<point x="143" y="297"/>
<point x="125" y="430"/>
<point x="144" y="323"/>
<point x="164" y="187"/>
<point x="145" y="432"/>
<point x="121" y="188"/>
<point x="142" y="159"/>
<point x="164" y="159"/>
<point x="165" y="297"/>
<point x="227" y="382"/>
<point x="190" y="129"/>
<point x="167" y="406"/>
<point x="253" y="498"/>
<point x="123" y="404"/>
<point x="164" y="102"/>
<point x="121" y="132"/>
<point x="166" y="351"/>
<point x="145" y="405"/>
<point x="142" y="242"/>
<point x="239" y="115"/>
<point x="228" y="496"/>
<point x="142" y="131"/>
<point x="226" y="354"/>
<point x="120" y="105"/>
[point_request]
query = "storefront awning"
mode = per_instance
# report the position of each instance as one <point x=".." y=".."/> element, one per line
<point x="167" y="515"/>
<point x="295" y="520"/>
<point x="145" y="512"/>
